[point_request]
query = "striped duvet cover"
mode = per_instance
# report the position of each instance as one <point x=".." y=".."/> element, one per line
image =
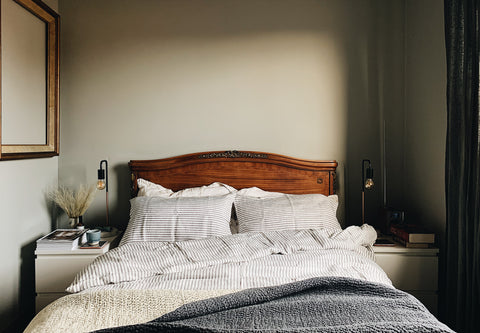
<point x="235" y="262"/>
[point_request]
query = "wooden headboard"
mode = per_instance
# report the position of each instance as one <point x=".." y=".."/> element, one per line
<point x="240" y="169"/>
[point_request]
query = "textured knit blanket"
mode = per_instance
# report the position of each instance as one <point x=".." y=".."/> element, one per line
<point x="87" y="311"/>
<point x="326" y="304"/>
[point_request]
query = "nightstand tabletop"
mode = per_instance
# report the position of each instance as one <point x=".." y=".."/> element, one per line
<point x="398" y="248"/>
<point x="79" y="251"/>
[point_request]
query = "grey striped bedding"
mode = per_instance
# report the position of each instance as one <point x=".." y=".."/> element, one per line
<point x="237" y="261"/>
<point x="178" y="218"/>
<point x="261" y="211"/>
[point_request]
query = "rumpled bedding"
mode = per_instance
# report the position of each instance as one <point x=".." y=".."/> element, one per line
<point x="237" y="261"/>
<point x="114" y="290"/>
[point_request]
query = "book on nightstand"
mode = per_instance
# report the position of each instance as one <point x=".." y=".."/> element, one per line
<point x="61" y="239"/>
<point x="412" y="245"/>
<point x="412" y="234"/>
<point x="384" y="242"/>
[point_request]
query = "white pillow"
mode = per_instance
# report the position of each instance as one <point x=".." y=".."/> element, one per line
<point x="261" y="211"/>
<point x="178" y="219"/>
<point x="149" y="189"/>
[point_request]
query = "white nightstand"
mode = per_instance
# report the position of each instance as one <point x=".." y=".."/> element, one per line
<point x="55" y="270"/>
<point x="412" y="270"/>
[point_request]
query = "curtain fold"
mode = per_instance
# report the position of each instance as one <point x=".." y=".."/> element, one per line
<point x="461" y="306"/>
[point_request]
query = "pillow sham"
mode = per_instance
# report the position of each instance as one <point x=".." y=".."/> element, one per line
<point x="261" y="211"/>
<point x="149" y="189"/>
<point x="178" y="219"/>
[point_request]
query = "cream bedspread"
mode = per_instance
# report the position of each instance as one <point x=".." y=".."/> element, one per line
<point x="87" y="311"/>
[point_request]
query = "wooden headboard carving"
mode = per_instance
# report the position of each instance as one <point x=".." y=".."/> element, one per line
<point x="240" y="169"/>
<point x="233" y="154"/>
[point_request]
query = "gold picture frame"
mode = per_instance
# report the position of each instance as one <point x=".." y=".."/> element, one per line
<point x="49" y="133"/>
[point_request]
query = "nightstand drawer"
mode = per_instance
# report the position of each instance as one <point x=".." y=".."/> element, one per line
<point x="54" y="273"/>
<point x="409" y="272"/>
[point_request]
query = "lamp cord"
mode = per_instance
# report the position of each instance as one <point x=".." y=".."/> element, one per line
<point x="106" y="199"/>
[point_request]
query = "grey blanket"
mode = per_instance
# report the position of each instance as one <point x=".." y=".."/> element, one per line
<point x="327" y="304"/>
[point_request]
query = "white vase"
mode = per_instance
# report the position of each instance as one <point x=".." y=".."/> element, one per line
<point x="76" y="222"/>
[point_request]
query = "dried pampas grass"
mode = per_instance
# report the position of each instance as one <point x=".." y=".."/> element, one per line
<point x="74" y="203"/>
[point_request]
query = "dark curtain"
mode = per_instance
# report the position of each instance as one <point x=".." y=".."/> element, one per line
<point x="462" y="169"/>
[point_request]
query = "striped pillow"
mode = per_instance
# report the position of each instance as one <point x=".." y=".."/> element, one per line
<point x="178" y="219"/>
<point x="261" y="211"/>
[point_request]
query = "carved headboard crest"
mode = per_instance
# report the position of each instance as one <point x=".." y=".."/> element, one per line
<point x="233" y="154"/>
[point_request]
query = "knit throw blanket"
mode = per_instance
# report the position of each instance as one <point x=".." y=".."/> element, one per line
<point x="89" y="311"/>
<point x="327" y="304"/>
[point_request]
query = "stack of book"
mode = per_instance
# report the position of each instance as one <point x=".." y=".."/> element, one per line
<point x="62" y="239"/>
<point x="412" y="235"/>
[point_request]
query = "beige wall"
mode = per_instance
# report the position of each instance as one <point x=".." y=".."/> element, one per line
<point x="343" y="80"/>
<point x="152" y="79"/>
<point x="25" y="215"/>
<point x="425" y="114"/>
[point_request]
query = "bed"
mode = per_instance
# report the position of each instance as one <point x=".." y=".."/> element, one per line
<point x="236" y="241"/>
